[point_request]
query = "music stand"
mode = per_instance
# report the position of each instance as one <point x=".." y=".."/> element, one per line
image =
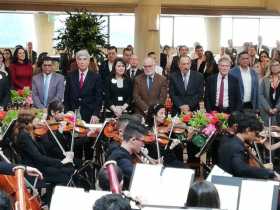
<point x="243" y="194"/>
<point x="206" y="146"/>
<point x="10" y="125"/>
<point x="156" y="185"/>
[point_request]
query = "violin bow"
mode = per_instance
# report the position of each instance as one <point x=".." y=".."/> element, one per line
<point x="270" y="139"/>
<point x="171" y="130"/>
<point x="73" y="131"/>
<point x="55" y="138"/>
<point x="157" y="142"/>
<point x="99" y="134"/>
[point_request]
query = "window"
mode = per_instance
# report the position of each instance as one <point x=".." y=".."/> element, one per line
<point x="188" y="30"/>
<point x="166" y="31"/>
<point x="121" y="30"/>
<point x="226" y="30"/>
<point x="270" y="31"/>
<point x="17" y="29"/>
<point x="245" y="30"/>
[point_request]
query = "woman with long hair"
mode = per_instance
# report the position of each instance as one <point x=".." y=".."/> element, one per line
<point x="21" y="70"/>
<point x="118" y="89"/>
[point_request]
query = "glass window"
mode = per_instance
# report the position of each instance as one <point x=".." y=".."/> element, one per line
<point x="59" y="23"/>
<point x="166" y="31"/>
<point x="270" y="30"/>
<point x="226" y="30"/>
<point x="188" y="30"/>
<point x="122" y="30"/>
<point x="245" y="30"/>
<point x="17" y="29"/>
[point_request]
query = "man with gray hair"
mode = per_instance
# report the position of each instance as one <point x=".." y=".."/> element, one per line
<point x="222" y="90"/>
<point x="83" y="89"/>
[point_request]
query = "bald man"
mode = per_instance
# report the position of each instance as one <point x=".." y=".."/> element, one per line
<point x="149" y="89"/>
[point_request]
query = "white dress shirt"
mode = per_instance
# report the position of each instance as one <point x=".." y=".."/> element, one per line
<point x="226" y="98"/>
<point x="187" y="77"/>
<point x="85" y="74"/>
<point x="247" y="84"/>
<point x="110" y="65"/>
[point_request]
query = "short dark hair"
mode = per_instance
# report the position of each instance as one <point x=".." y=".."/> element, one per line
<point x="46" y="58"/>
<point x="198" y="47"/>
<point x="183" y="46"/>
<point x="15" y="57"/>
<point x="203" y="194"/>
<point x="134" y="129"/>
<point x="151" y="53"/>
<point x="103" y="177"/>
<point x="242" y="53"/>
<point x="127" y="49"/>
<point x="127" y="118"/>
<point x="5" y="202"/>
<point x="112" y="48"/>
<point x="248" y="120"/>
<point x="112" y="202"/>
<point x="55" y="106"/>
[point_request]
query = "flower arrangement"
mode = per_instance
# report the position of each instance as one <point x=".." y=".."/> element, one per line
<point x="21" y="97"/>
<point x="206" y="123"/>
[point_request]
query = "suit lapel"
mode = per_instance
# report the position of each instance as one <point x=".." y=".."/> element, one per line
<point x="76" y="80"/>
<point x="41" y="87"/>
<point x="181" y="83"/>
<point x="189" y="82"/>
<point x="215" y="87"/>
<point x="86" y="80"/>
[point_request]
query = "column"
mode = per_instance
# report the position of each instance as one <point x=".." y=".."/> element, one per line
<point x="44" y="28"/>
<point x="147" y="36"/>
<point x="213" y="32"/>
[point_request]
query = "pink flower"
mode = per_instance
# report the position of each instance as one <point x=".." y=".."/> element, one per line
<point x="29" y="100"/>
<point x="213" y="119"/>
<point x="209" y="129"/>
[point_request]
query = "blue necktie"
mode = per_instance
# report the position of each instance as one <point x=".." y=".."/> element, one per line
<point x="150" y="83"/>
<point x="46" y="89"/>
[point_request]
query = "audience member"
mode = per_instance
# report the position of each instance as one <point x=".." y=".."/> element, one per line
<point x="21" y="71"/>
<point x="8" y="57"/>
<point x="159" y="69"/>
<point x="183" y="51"/>
<point x="106" y="66"/>
<point x="118" y="90"/>
<point x="149" y="88"/>
<point x="47" y="86"/>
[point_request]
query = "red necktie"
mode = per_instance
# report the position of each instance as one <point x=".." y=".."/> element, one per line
<point x="221" y="95"/>
<point x="82" y="80"/>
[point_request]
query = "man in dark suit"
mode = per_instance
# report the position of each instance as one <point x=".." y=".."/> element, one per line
<point x="221" y="90"/>
<point x="232" y="152"/>
<point x="106" y="66"/>
<point x="31" y="54"/>
<point x="248" y="82"/>
<point x="149" y="89"/>
<point x="186" y="87"/>
<point x="47" y="86"/>
<point x="183" y="51"/>
<point x="4" y="91"/>
<point x="84" y="89"/>
<point x="134" y="71"/>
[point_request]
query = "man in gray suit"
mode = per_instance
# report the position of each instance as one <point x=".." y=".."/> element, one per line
<point x="47" y="86"/>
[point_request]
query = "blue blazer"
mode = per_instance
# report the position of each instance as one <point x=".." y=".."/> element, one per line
<point x="255" y="85"/>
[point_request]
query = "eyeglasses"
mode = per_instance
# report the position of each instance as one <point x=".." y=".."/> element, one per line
<point x="47" y="65"/>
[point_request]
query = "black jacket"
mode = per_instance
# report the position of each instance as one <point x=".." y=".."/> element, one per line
<point x="89" y="98"/>
<point x="194" y="92"/>
<point x="231" y="158"/>
<point x="4" y="90"/>
<point x="124" y="161"/>
<point x="235" y="102"/>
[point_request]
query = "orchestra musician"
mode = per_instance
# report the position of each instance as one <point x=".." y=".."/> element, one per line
<point x="231" y="153"/>
<point x="133" y="141"/>
<point x="174" y="157"/>
<point x="54" y="170"/>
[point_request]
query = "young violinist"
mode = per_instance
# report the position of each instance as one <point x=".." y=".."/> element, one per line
<point x="232" y="151"/>
<point x="55" y="171"/>
<point x="133" y="141"/>
<point x="171" y="157"/>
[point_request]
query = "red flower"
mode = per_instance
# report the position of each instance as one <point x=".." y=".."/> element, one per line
<point x="20" y="92"/>
<point x="214" y="120"/>
<point x="2" y="115"/>
<point x="186" y="118"/>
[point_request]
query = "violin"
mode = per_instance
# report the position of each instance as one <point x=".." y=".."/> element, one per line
<point x="111" y="131"/>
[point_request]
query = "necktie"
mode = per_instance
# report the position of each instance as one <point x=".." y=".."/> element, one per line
<point x="46" y="89"/>
<point x="150" y="82"/>
<point x="132" y="74"/>
<point x="185" y="81"/>
<point x="221" y="95"/>
<point x="82" y="80"/>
